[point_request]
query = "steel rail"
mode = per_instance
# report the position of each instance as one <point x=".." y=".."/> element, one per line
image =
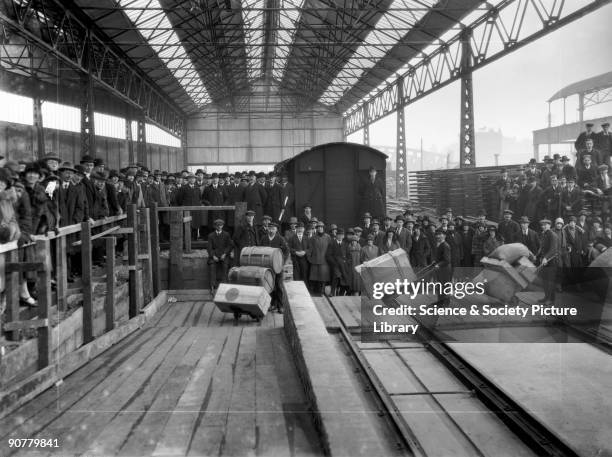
<point x="382" y="396"/>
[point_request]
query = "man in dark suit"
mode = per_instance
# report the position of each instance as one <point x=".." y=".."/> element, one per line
<point x="580" y="142"/>
<point x="372" y="195"/>
<point x="246" y="234"/>
<point x="571" y="198"/>
<point x="274" y="240"/>
<point x="402" y="236"/>
<point x="338" y="264"/>
<point x="551" y="199"/>
<point x="508" y="228"/>
<point x="421" y="249"/>
<point x="255" y="196"/>
<point x="298" y="244"/>
<point x="528" y="236"/>
<point x="588" y="150"/>
<point x="234" y="193"/>
<point x="214" y="195"/>
<point x="548" y="256"/>
<point x="603" y="142"/>
<point x="189" y="195"/>
<point x="90" y="191"/>
<point x="379" y="235"/>
<point x="442" y="263"/>
<point x="219" y="249"/>
<point x="287" y="199"/>
<point x="71" y="199"/>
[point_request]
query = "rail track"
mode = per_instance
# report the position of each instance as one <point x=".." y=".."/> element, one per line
<point x="525" y="428"/>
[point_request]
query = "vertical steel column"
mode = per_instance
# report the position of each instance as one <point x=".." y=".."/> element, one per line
<point x="141" y="140"/>
<point x="401" y="178"/>
<point x="467" y="153"/>
<point x="184" y="147"/>
<point x="366" y="123"/>
<point x="88" y="131"/>
<point x="38" y="127"/>
<point x="130" y="139"/>
<point x="581" y="106"/>
<point x="39" y="150"/>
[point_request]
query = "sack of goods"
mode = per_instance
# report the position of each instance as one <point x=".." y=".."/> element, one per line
<point x="252" y="276"/>
<point x="262" y="256"/>
<point x="510" y="252"/>
<point x="240" y="299"/>
<point x="389" y="267"/>
<point x="603" y="260"/>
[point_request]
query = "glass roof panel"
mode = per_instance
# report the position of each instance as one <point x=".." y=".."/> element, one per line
<point x="155" y="27"/>
<point x="398" y="20"/>
<point x="290" y="12"/>
<point x="252" y="18"/>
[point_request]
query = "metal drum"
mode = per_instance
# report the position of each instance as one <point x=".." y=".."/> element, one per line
<point x="262" y="256"/>
<point x="252" y="276"/>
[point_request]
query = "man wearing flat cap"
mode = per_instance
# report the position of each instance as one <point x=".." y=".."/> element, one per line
<point x="603" y="186"/>
<point x="508" y="229"/>
<point x="372" y="195"/>
<point x="603" y="142"/>
<point x="580" y="142"/>
<point x="298" y="245"/>
<point x="274" y="240"/>
<point x="219" y="248"/>
<point x="245" y="235"/>
<point x="588" y="150"/>
<point x="548" y="259"/>
<point x="571" y="198"/>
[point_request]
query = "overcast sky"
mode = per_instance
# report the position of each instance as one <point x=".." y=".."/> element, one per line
<point x="511" y="93"/>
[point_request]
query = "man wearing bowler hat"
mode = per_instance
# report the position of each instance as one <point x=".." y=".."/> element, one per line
<point x="548" y="258"/>
<point x="287" y="199"/>
<point x="219" y="250"/>
<point x="527" y="236"/>
<point x="255" y="195"/>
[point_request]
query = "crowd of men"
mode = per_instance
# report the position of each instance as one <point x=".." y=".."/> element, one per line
<point x="575" y="200"/>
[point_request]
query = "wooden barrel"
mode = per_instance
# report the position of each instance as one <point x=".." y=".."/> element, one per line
<point x="252" y="276"/>
<point x="262" y="256"/>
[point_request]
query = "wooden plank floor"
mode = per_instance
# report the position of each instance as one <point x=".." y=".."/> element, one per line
<point x="192" y="382"/>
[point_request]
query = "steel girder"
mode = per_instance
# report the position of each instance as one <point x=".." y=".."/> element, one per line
<point x="401" y="176"/>
<point x="59" y="40"/>
<point x="497" y="33"/>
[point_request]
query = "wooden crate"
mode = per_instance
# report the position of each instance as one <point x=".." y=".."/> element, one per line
<point x="241" y="299"/>
<point x="385" y="268"/>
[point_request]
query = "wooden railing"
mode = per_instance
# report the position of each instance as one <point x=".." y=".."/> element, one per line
<point x="54" y="248"/>
<point x="180" y="236"/>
